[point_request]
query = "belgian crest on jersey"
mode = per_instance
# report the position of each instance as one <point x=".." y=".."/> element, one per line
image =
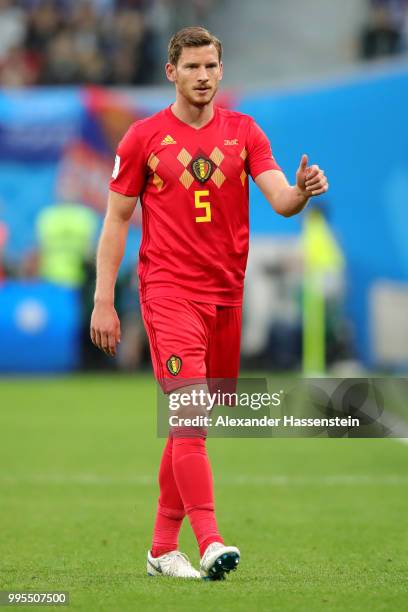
<point x="174" y="365"/>
<point x="202" y="168"/>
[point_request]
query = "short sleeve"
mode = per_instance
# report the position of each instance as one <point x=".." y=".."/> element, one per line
<point x="260" y="156"/>
<point x="129" y="171"/>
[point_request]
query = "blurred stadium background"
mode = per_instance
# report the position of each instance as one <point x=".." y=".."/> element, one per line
<point x="321" y="77"/>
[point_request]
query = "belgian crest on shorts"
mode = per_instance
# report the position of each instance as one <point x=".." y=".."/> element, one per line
<point x="174" y="365"/>
<point x="201" y="168"/>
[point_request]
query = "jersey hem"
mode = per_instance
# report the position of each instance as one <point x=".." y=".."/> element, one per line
<point x="175" y="292"/>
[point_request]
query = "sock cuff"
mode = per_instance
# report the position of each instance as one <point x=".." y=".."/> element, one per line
<point x="176" y="514"/>
<point x="188" y="433"/>
<point x="208" y="506"/>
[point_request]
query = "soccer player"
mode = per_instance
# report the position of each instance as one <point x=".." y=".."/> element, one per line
<point x="190" y="164"/>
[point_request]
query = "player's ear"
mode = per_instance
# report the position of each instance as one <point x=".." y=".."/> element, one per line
<point x="221" y="70"/>
<point x="171" y="72"/>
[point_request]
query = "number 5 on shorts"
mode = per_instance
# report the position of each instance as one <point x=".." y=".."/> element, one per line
<point x="198" y="203"/>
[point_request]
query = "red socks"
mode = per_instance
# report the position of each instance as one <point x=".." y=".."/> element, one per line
<point x="170" y="509"/>
<point x="192" y="473"/>
<point x="185" y="487"/>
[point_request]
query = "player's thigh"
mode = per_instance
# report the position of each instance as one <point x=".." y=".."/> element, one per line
<point x="178" y="336"/>
<point x="223" y="357"/>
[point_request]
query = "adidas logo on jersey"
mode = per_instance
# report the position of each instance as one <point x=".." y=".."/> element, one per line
<point x="168" y="140"/>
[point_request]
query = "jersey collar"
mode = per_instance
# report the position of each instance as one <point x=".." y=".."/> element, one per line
<point x="173" y="117"/>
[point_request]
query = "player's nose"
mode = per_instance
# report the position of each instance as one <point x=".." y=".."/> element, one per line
<point x="202" y="74"/>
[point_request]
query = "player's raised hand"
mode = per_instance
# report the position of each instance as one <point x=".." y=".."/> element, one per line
<point x="105" y="328"/>
<point x="311" y="180"/>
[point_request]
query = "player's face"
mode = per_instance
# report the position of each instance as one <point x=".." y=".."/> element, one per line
<point x="197" y="74"/>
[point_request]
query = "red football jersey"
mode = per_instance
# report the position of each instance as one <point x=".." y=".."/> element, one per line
<point x="193" y="188"/>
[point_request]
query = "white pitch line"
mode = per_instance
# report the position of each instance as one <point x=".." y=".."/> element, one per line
<point x="239" y="480"/>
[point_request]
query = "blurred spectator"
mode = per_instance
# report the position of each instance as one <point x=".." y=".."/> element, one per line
<point x="383" y="34"/>
<point x="66" y="240"/>
<point x="18" y="69"/>
<point x="326" y="332"/>
<point x="91" y="41"/>
<point x="12" y="27"/>
<point x="186" y="12"/>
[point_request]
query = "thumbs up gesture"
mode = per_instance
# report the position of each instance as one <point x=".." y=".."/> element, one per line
<point x="310" y="180"/>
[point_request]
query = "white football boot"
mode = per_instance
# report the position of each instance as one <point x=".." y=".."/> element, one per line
<point x="219" y="560"/>
<point x="174" y="563"/>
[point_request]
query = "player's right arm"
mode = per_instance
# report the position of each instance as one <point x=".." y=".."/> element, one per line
<point x="105" y="324"/>
<point x="285" y="199"/>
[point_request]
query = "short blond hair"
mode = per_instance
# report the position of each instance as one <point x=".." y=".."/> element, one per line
<point x="191" y="37"/>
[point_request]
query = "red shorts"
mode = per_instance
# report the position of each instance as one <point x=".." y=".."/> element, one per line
<point x="192" y="340"/>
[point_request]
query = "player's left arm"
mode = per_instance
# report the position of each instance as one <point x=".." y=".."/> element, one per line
<point x="290" y="200"/>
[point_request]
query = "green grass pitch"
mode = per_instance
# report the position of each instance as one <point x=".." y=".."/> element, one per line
<point x="321" y="524"/>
